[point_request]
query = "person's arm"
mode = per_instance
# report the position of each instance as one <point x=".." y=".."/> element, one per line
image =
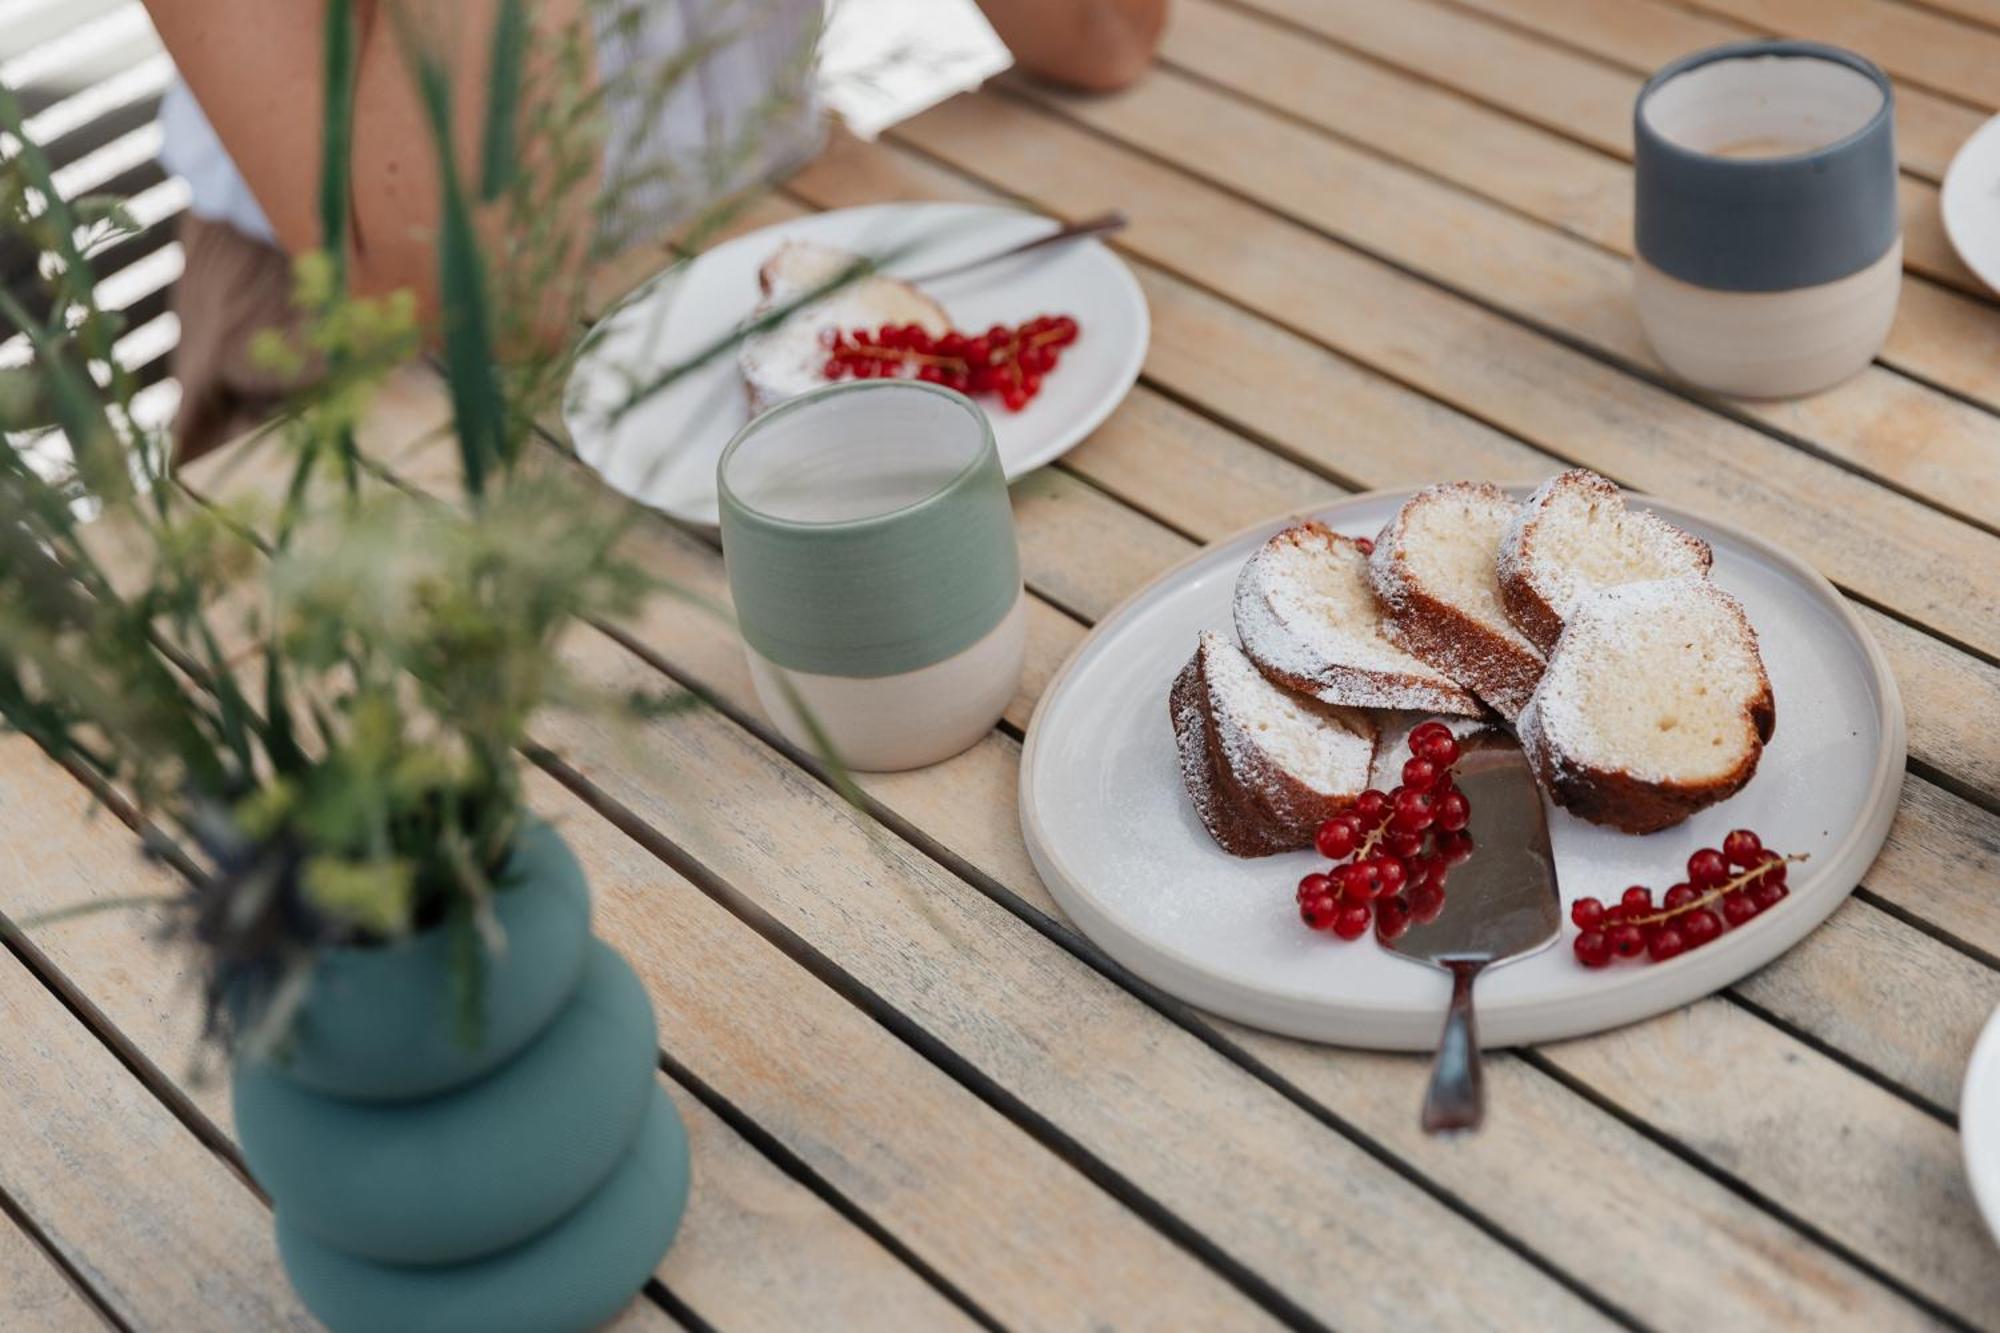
<point x="1098" y="45"/>
<point x="255" y="67"/>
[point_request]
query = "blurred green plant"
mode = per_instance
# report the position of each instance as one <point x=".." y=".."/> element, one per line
<point x="323" y="694"/>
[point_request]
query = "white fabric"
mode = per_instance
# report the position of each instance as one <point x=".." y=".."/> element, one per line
<point x="190" y="150"/>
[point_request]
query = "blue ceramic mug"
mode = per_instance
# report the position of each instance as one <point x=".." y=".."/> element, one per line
<point x="871" y="556"/>
<point x="1766" y="221"/>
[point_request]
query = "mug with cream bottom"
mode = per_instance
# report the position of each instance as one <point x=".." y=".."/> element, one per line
<point x="871" y="556"/>
<point x="1766" y="223"/>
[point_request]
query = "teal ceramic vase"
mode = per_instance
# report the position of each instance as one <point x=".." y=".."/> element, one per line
<point x="529" y="1183"/>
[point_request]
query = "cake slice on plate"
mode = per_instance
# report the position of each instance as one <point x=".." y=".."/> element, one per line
<point x="1655" y="705"/>
<point x="1434" y="572"/>
<point x="1263" y="766"/>
<point x="1574" y="536"/>
<point x="786" y="361"/>
<point x="1309" y="620"/>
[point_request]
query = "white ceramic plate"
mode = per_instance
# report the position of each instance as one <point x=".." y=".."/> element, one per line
<point x="1979" y="1123"/>
<point x="1111" y="831"/>
<point x="663" y="453"/>
<point x="1970" y="202"/>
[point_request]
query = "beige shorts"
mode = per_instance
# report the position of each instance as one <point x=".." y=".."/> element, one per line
<point x="231" y="287"/>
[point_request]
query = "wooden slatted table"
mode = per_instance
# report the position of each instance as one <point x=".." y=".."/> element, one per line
<point x="1383" y="244"/>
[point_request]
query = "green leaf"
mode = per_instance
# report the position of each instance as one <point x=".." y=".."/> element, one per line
<point x="97" y="446"/>
<point x="377" y="895"/>
<point x="478" y="410"/>
<point x="497" y="165"/>
<point x="24" y="399"/>
<point x="36" y="163"/>
<point x="95" y="208"/>
<point x="337" y="134"/>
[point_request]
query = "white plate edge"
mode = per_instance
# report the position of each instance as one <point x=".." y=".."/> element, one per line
<point x="1989" y="130"/>
<point x="1979" y="1105"/>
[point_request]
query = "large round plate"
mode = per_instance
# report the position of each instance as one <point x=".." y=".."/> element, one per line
<point x="1114" y="837"/>
<point x="1970" y="202"/>
<point x="1979" y="1123"/>
<point x="663" y="453"/>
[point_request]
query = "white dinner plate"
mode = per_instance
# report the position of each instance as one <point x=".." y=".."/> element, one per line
<point x="663" y="453"/>
<point x="1113" y="835"/>
<point x="1970" y="202"/>
<point x="1979" y="1123"/>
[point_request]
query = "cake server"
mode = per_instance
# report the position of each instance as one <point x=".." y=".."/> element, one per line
<point x="1500" y="904"/>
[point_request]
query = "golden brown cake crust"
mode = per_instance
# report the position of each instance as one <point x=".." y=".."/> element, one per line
<point x="1235" y="821"/>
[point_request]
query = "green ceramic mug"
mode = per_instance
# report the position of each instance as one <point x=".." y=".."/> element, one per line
<point x="871" y="556"/>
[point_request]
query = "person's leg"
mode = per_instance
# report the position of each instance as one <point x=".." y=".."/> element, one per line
<point x="231" y="287"/>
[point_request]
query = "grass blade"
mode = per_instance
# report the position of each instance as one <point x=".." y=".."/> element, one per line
<point x="503" y="79"/>
<point x="337" y="135"/>
<point x="479" y="411"/>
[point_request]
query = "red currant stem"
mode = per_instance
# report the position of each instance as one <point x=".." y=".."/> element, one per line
<point x="1366" y="846"/>
<point x="958" y="363"/>
<point x="1727" y="886"/>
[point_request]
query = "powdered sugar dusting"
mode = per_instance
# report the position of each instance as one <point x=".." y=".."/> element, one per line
<point x="1261" y="727"/>
<point x="1575" y="535"/>
<point x="1653" y="679"/>
<point x="1306" y="614"/>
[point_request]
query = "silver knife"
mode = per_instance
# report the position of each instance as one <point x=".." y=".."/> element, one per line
<point x="1500" y="904"/>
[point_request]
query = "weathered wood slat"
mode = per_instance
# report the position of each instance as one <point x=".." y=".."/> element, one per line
<point x="1976" y="11"/>
<point x="759" y="1251"/>
<point x="1861" y="535"/>
<point x="36" y="1296"/>
<point x="1499" y="64"/>
<point x="1022" y="1234"/>
<point x="164" y="1232"/>
<point x="1941" y="336"/>
<point x="1917" y="44"/>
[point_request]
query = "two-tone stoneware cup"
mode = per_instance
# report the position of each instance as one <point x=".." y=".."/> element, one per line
<point x="1769" y="244"/>
<point x="871" y="555"/>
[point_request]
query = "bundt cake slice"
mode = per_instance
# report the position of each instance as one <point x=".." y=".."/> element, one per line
<point x="1264" y="766"/>
<point x="1575" y="535"/>
<point x="1434" y="571"/>
<point x="1308" y="619"/>
<point x="1655" y="705"/>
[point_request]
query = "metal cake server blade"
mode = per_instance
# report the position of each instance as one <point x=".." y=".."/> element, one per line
<point x="1500" y="904"/>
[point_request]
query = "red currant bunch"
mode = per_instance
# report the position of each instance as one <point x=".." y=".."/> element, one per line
<point x="1392" y="850"/>
<point x="1725" y="887"/>
<point x="1008" y="363"/>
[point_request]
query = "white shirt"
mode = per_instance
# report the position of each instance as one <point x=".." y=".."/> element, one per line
<point x="741" y="113"/>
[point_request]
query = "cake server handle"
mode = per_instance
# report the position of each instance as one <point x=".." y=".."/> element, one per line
<point x="1101" y="225"/>
<point x="1456" y="1098"/>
